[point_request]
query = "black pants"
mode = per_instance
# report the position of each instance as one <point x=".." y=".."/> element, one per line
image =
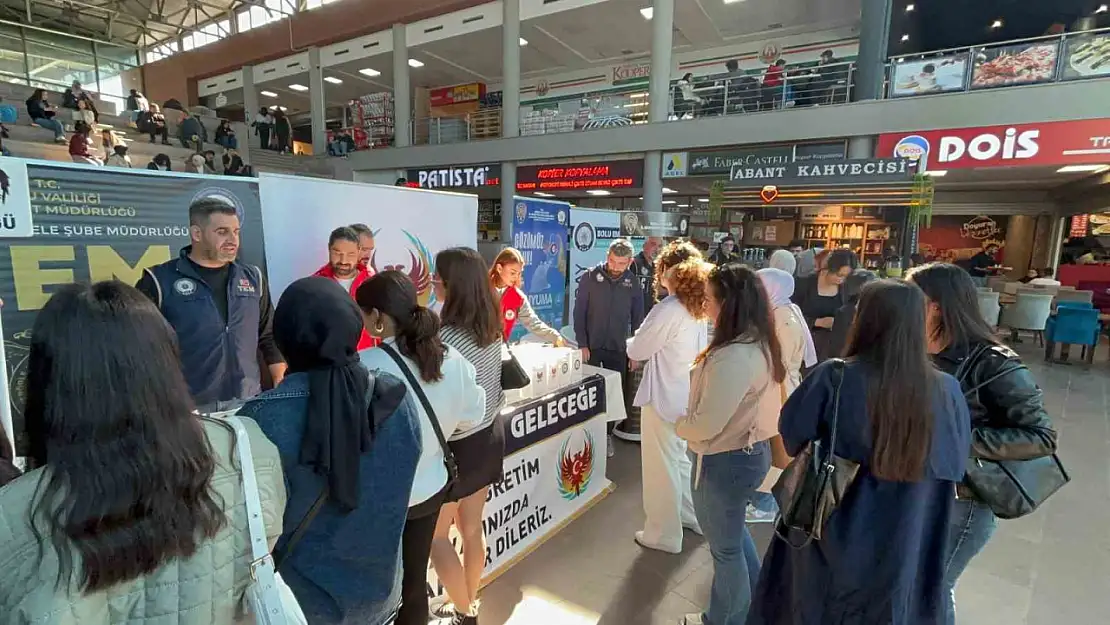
<point x="614" y="361"/>
<point x="263" y="135"/>
<point x="163" y="132"/>
<point x="416" y="549"/>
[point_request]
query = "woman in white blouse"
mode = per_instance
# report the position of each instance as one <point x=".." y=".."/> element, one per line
<point x="667" y="342"/>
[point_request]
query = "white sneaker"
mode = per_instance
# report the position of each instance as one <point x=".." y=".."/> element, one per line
<point x="755" y="515"/>
<point x="646" y="545"/>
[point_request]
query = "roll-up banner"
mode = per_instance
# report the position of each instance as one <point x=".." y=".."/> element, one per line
<point x="591" y="230"/>
<point x="540" y="233"/>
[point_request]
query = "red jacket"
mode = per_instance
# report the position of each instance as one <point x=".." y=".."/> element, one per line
<point x="364" y="274"/>
<point x="511" y="301"/>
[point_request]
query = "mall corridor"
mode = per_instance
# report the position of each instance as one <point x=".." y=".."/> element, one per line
<point x="1051" y="568"/>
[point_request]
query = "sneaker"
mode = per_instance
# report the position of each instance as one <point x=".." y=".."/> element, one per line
<point x="755" y="515"/>
<point x="691" y="619"/>
<point x="610" y="451"/>
<point x="639" y="536"/>
<point x="458" y="619"/>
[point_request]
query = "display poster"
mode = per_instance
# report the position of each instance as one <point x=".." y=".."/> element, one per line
<point x="301" y="212"/>
<point x="592" y="230"/>
<point x="96" y="223"/>
<point x="540" y="233"/>
<point x="937" y="74"/>
<point x="1014" y="64"/>
<point x="954" y="238"/>
<point x="1087" y="56"/>
<point x="655" y="224"/>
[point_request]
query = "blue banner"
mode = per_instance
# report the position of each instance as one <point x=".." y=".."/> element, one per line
<point x="592" y="230"/>
<point x="540" y="233"/>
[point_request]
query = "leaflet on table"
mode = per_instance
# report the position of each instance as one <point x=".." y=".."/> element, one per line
<point x="549" y="369"/>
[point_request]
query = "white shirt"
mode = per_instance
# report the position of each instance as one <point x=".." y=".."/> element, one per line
<point x="459" y="404"/>
<point x="669" y="340"/>
<point x="345" y="283"/>
<point x="1044" y="282"/>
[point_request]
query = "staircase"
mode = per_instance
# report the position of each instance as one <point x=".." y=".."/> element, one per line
<point x="275" y="162"/>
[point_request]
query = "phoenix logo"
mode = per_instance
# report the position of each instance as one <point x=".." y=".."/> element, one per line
<point x="420" y="268"/>
<point x="576" y="468"/>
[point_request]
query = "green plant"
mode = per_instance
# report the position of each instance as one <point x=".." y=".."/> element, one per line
<point x="921" y="201"/>
<point x="716" y="201"/>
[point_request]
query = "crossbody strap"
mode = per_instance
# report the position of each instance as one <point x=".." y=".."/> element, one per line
<point x="838" y="374"/>
<point x="260" y="551"/>
<point x="448" y="456"/>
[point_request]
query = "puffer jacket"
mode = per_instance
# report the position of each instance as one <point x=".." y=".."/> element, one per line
<point x="1008" y="419"/>
<point x="205" y="589"/>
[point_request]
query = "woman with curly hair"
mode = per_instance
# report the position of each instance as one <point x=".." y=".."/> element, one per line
<point x="668" y="341"/>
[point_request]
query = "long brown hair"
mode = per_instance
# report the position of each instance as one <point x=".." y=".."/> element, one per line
<point x="888" y="338"/>
<point x="672" y="254"/>
<point x="690" y="284"/>
<point x="507" y="256"/>
<point x="469" y="304"/>
<point x="392" y="293"/>
<point x="745" y="315"/>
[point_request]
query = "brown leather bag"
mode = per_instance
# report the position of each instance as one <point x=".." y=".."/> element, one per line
<point x="779" y="458"/>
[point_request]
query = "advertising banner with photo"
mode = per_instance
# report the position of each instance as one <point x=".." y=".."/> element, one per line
<point x="93" y="223"/>
<point x="301" y="212"/>
<point x="1014" y="64"/>
<point x="540" y="233"/>
<point x="592" y="230"/>
<point x="937" y="74"/>
<point x="1087" y="56"/>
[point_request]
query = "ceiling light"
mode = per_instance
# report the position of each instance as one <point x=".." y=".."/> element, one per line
<point x="415" y="63"/>
<point x="523" y="41"/>
<point x="298" y="87"/>
<point x="647" y="12"/>
<point x="666" y="190"/>
<point x="369" y="72"/>
<point x="268" y="94"/>
<point x="909" y="8"/>
<point x="703" y="199"/>
<point x="1078" y="169"/>
<point x="1102" y="8"/>
<point x="637" y="96"/>
<point x="333" y="80"/>
<point x="936" y="174"/>
<point x="732" y="1"/>
<point x="274" y="107"/>
<point x="669" y="202"/>
<point x="687" y="205"/>
<point x="996" y="24"/>
<point x="542" y="194"/>
<point x="905" y="37"/>
<point x="597" y="192"/>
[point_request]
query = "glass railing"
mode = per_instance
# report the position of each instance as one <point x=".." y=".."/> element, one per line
<point x="1056" y="58"/>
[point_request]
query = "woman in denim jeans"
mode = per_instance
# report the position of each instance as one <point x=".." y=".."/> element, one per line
<point x="735" y="393"/>
<point x="1008" y="419"/>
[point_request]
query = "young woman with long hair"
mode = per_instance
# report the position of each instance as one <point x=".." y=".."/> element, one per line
<point x="410" y="332"/>
<point x="667" y="342"/>
<point x="132" y="500"/>
<point x="881" y="557"/>
<point x="732" y="413"/>
<point x="506" y="279"/>
<point x="472" y="326"/>
<point x="819" y="296"/>
<point x="1008" y="419"/>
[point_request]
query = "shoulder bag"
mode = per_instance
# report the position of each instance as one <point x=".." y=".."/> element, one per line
<point x="271" y="600"/>
<point x="448" y="455"/>
<point x="815" y="482"/>
<point x="1011" y="488"/>
<point x="513" y="375"/>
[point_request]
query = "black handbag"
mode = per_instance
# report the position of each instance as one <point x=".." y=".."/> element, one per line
<point x="815" y="482"/>
<point x="513" y="376"/>
<point x="1011" y="488"/>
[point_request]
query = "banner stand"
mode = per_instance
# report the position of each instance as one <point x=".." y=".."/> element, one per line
<point x="5" y="394"/>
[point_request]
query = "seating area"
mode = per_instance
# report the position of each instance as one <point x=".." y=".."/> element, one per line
<point x="1055" y="316"/>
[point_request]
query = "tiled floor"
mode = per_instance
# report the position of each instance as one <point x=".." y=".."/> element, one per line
<point x="1052" y="568"/>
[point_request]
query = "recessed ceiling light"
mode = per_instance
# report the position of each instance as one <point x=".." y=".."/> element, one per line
<point x="415" y="63"/>
<point x="274" y="107"/>
<point x="1102" y="8"/>
<point x="937" y="174"/>
<point x="996" y="24"/>
<point x="905" y="37"/>
<point x="333" y="80"/>
<point x="369" y="72"/>
<point x="523" y="41"/>
<point x="597" y="192"/>
<point x="542" y="194"/>
<point x="647" y="12"/>
<point x="703" y="199"/>
<point x="1077" y="169"/>
<point x="298" y="87"/>
<point x="732" y="1"/>
<point x="669" y="202"/>
<point x="909" y="7"/>
<point x="687" y="205"/>
<point x="666" y="190"/>
<point x="268" y="94"/>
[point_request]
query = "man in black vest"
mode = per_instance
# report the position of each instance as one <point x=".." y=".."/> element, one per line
<point x="643" y="266"/>
<point x="220" y="309"/>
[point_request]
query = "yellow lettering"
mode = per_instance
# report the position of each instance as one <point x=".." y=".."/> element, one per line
<point x="106" y="264"/>
<point x="29" y="276"/>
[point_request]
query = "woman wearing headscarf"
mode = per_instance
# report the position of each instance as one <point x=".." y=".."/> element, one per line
<point x="784" y="260"/>
<point x="349" y="442"/>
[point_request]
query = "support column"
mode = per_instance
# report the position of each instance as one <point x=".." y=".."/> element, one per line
<point x="250" y="109"/>
<point x="402" y="91"/>
<point x="1056" y="243"/>
<point x="659" y="88"/>
<point x="873" y="40"/>
<point x="510" y="107"/>
<point x="318" y="104"/>
<point x="508" y="190"/>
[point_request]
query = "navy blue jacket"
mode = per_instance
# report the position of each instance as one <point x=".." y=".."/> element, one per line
<point x="219" y="359"/>
<point x="346" y="569"/>
<point x="607" y="310"/>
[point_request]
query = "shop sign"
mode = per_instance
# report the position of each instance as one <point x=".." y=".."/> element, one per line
<point x="720" y="162"/>
<point x="581" y="176"/>
<point x="675" y="164"/>
<point x="859" y="171"/>
<point x="457" y="94"/>
<point x="1079" y="226"/>
<point x="455" y="177"/>
<point x="836" y="151"/>
<point x="631" y="73"/>
<point x="1075" y="142"/>
<point x="654" y="224"/>
<point x="979" y="228"/>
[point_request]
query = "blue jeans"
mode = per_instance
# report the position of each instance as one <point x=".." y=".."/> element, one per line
<point x="765" y="502"/>
<point x="972" y="526"/>
<point x="727" y="483"/>
<point x="228" y="142"/>
<point x="51" y="124"/>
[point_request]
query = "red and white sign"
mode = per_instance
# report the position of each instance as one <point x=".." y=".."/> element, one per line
<point x="1078" y="142"/>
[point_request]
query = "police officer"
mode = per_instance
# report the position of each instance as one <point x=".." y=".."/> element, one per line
<point x="220" y="309"/>
<point x="644" y="268"/>
<point x="608" y="308"/>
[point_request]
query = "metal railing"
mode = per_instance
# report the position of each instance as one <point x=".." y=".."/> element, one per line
<point x="798" y="86"/>
<point x="1056" y="58"/>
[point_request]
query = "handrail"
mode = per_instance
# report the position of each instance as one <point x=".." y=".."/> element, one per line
<point x="998" y="44"/>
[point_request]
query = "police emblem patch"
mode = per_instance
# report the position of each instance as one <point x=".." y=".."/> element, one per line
<point x="600" y="278"/>
<point x="510" y="315"/>
<point x="185" y="286"/>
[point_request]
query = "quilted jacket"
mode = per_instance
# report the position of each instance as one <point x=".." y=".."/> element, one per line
<point x="205" y="589"/>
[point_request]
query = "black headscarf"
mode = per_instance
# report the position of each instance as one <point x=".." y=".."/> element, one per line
<point x="317" y="328"/>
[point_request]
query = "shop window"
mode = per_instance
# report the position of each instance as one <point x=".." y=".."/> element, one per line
<point x="207" y="34"/>
<point x="157" y="53"/>
<point x="59" y="67"/>
<point x="11" y="55"/>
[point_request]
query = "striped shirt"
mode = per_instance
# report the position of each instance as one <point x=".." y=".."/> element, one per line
<point x="487" y="365"/>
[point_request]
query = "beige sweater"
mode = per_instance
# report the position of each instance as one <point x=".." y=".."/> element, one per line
<point x="734" y="402"/>
<point x="793" y="345"/>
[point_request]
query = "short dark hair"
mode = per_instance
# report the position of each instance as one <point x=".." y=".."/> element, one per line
<point x="732" y="65"/>
<point x="202" y="210"/>
<point x="343" y="233"/>
<point x="361" y="229"/>
<point x="840" y="258"/>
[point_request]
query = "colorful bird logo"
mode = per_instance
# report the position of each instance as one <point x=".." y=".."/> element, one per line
<point x="420" y="268"/>
<point x="576" y="468"/>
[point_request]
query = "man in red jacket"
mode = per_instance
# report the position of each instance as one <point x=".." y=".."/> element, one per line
<point x="345" y="267"/>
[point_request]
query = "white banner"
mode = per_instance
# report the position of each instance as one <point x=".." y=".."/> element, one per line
<point x="591" y="232"/>
<point x="410" y="226"/>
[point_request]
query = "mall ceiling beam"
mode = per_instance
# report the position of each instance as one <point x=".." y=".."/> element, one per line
<point x="1019" y="105"/>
